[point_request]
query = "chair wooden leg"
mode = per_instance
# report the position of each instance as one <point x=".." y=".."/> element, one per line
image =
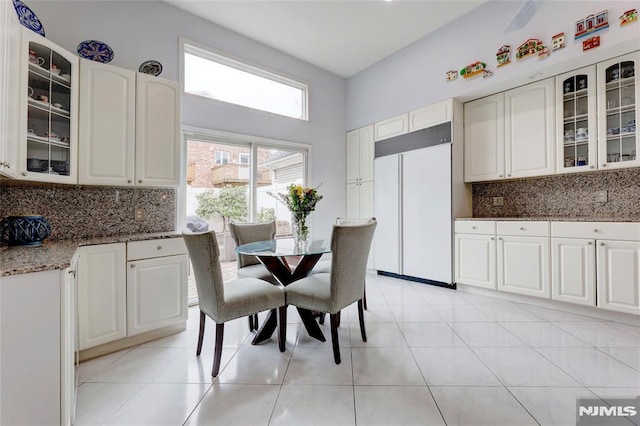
<point x="203" y="319"/>
<point x="282" y="332"/>
<point x="255" y="322"/>
<point x="361" y="318"/>
<point x="334" y="318"/>
<point x="251" y="326"/>
<point x="321" y="318"/>
<point x="364" y="298"/>
<point x="339" y="318"/>
<point x="217" y="353"/>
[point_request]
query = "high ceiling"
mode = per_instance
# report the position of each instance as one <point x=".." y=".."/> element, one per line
<point x="343" y="37"/>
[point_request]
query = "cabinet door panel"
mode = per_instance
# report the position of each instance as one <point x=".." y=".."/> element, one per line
<point x="573" y="271"/>
<point x="475" y="260"/>
<point x="484" y="139"/>
<point x="101" y="294"/>
<point x="619" y="276"/>
<point x="10" y="91"/>
<point x="107" y="124"/>
<point x="353" y="200"/>
<point x="156" y="293"/>
<point x="430" y="115"/>
<point x="391" y="127"/>
<point x="158" y="134"/>
<point x="367" y="148"/>
<point x="353" y="155"/>
<point x="523" y="265"/>
<point x="530" y="130"/>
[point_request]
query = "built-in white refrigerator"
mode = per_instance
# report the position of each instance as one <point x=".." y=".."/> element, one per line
<point x="413" y="203"/>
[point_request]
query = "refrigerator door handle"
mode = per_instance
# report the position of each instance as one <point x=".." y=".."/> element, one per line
<point x="400" y="214"/>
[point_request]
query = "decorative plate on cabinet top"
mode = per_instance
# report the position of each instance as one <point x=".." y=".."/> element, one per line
<point x="28" y="18"/>
<point x="95" y="50"/>
<point x="151" y="67"/>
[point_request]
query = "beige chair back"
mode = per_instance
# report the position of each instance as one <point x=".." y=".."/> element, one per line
<point x="204" y="253"/>
<point x="244" y="233"/>
<point x="350" y="245"/>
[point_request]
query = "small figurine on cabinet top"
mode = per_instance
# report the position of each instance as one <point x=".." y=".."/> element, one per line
<point x="503" y="55"/>
<point x="452" y="75"/>
<point x="473" y="69"/>
<point x="531" y="47"/>
<point x="591" y="24"/>
<point x="628" y="17"/>
<point x="487" y="73"/>
<point x="557" y="41"/>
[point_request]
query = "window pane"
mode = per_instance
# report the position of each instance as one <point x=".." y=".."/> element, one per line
<point x="284" y="168"/>
<point x="249" y="86"/>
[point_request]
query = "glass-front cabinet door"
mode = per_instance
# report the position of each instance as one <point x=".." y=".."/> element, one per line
<point x="618" y="93"/>
<point x="48" y="149"/>
<point x="576" y="120"/>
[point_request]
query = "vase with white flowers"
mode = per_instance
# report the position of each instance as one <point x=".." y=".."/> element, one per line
<point x="300" y="202"/>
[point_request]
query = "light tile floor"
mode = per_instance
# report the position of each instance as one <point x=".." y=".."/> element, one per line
<point x="434" y="356"/>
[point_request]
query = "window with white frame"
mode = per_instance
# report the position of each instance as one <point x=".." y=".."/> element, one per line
<point x="222" y="157"/>
<point x="243" y="158"/>
<point x="212" y="75"/>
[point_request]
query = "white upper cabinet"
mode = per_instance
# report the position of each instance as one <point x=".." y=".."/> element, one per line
<point x="360" y="151"/>
<point x="9" y="91"/>
<point x="48" y="107"/>
<point x="158" y="133"/>
<point x="391" y="127"/>
<point x="431" y="115"/>
<point x="530" y="130"/>
<point x="107" y="130"/>
<point x="484" y="139"/>
<point x="130" y="128"/>
<point x="618" y="94"/>
<point x="576" y="129"/>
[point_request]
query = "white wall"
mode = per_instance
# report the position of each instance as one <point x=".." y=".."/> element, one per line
<point x="142" y="30"/>
<point x="415" y="76"/>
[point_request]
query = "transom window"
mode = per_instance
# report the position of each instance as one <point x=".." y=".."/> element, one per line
<point x="212" y="75"/>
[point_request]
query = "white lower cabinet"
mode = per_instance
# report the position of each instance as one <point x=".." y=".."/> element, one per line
<point x="36" y="349"/>
<point x="573" y="270"/>
<point x="523" y="265"/>
<point x="475" y="260"/>
<point x="101" y="294"/>
<point x="619" y="276"/>
<point x="156" y="293"/>
<point x="126" y="289"/>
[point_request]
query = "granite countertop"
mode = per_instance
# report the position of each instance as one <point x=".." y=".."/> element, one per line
<point x="553" y="219"/>
<point x="52" y="255"/>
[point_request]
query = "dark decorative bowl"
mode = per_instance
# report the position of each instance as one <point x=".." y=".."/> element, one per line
<point x="24" y="230"/>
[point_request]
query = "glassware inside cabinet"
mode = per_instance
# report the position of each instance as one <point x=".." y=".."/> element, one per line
<point x="48" y="111"/>
<point x="621" y="112"/>
<point x="576" y="121"/>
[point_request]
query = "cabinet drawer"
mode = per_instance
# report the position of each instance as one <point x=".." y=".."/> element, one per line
<point x="525" y="228"/>
<point x="155" y="248"/>
<point x="487" y="227"/>
<point x="621" y="231"/>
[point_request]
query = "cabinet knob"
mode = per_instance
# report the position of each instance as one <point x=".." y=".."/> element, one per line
<point x="72" y="273"/>
<point x="133" y="265"/>
<point x="129" y="181"/>
<point x="592" y="167"/>
<point x="492" y="238"/>
<point x="159" y="247"/>
<point x="509" y="175"/>
<point x="602" y="244"/>
<point x="24" y="173"/>
<point x="473" y="227"/>
<point x="8" y="164"/>
<point x="595" y="230"/>
<point x="590" y="243"/>
<point x="499" y="175"/>
<point x="140" y="181"/>
<point x="499" y="238"/>
<point x="522" y="228"/>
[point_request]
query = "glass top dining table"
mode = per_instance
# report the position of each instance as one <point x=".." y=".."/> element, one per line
<point x="287" y="265"/>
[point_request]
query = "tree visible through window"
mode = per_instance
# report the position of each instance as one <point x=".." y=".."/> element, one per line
<point x="215" y="76"/>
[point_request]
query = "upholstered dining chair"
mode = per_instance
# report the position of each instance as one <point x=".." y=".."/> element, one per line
<point x="249" y="266"/>
<point x="222" y="301"/>
<point x="344" y="285"/>
<point x="324" y="266"/>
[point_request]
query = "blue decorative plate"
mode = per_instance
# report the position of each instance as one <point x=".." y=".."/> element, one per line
<point x="96" y="51"/>
<point x="151" y="67"/>
<point x="28" y="18"/>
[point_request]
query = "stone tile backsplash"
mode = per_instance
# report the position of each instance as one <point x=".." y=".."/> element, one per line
<point x="84" y="212"/>
<point x="563" y="196"/>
